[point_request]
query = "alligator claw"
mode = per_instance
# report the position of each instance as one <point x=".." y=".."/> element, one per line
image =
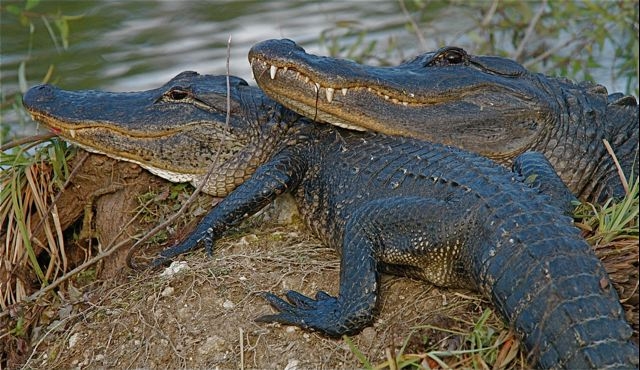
<point x="323" y="314"/>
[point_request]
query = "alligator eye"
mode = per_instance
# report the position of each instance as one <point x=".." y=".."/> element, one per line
<point x="453" y="56"/>
<point x="178" y="94"/>
<point x="448" y="57"/>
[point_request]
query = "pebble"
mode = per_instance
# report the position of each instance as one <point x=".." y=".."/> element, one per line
<point x="228" y="305"/>
<point x="167" y="291"/>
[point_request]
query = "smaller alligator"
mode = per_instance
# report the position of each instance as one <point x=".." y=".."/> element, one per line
<point x="488" y="105"/>
<point x="387" y="204"/>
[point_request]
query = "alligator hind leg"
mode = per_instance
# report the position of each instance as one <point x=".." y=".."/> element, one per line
<point x="393" y="231"/>
<point x="538" y="173"/>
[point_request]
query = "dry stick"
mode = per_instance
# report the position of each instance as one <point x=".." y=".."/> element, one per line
<point x="414" y="25"/>
<point x="551" y="51"/>
<point x="241" y="348"/>
<point x="69" y="274"/>
<point x="487" y="18"/>
<point x="623" y="179"/>
<point x="35" y="139"/>
<point x="198" y="189"/>
<point x="529" y="31"/>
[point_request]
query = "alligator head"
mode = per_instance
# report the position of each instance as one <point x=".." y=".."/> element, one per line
<point x="485" y="104"/>
<point x="176" y="131"/>
<point x="475" y="102"/>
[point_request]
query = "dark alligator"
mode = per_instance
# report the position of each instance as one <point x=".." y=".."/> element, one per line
<point x="488" y="105"/>
<point x="388" y="204"/>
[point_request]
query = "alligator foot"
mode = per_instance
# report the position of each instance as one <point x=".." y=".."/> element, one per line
<point x="324" y="313"/>
<point x="185" y="246"/>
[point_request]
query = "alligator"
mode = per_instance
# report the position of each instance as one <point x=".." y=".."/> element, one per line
<point x="388" y="204"/>
<point x="485" y="104"/>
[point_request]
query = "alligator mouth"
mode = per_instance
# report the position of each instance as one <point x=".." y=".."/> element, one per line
<point x="289" y="73"/>
<point x="301" y="92"/>
<point x="81" y="134"/>
<point x="70" y="130"/>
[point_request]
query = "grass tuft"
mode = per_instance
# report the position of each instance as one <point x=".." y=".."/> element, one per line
<point x="30" y="180"/>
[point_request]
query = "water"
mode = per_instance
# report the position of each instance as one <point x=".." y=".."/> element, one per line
<point x="137" y="45"/>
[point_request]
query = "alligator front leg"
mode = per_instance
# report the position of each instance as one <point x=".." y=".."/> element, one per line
<point x="273" y="178"/>
<point x="403" y="235"/>
<point x="352" y="310"/>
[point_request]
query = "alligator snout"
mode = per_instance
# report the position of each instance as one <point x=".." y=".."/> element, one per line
<point x="38" y="94"/>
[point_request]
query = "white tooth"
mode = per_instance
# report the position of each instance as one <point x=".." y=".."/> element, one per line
<point x="329" y="92"/>
<point x="297" y="74"/>
<point x="72" y="133"/>
<point x="306" y="78"/>
<point x="317" y="87"/>
<point x="273" y="71"/>
<point x="405" y="103"/>
<point x="344" y="91"/>
<point x="369" y="89"/>
<point x="285" y="68"/>
<point x="386" y="97"/>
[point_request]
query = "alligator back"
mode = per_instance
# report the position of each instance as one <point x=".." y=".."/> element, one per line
<point x="482" y="230"/>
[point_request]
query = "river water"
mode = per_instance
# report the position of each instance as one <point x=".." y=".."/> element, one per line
<point x="137" y="45"/>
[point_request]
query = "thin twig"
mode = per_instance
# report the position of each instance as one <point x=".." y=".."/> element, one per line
<point x="414" y="25"/>
<point x="530" y="29"/>
<point x="69" y="274"/>
<point x="200" y="186"/>
<point x="549" y="52"/>
<point x="34" y="138"/>
<point x="241" y="348"/>
<point x="492" y="10"/>
<point x="623" y="179"/>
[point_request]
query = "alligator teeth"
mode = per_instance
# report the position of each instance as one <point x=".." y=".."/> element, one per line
<point x="285" y="68"/>
<point x="273" y="71"/>
<point x="386" y="97"/>
<point x="329" y="92"/>
<point x="306" y="78"/>
<point x="72" y="133"/>
<point x="405" y="103"/>
<point x="317" y="87"/>
<point x="344" y="91"/>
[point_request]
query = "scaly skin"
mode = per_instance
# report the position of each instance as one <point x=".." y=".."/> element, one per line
<point x="488" y="105"/>
<point x="398" y="205"/>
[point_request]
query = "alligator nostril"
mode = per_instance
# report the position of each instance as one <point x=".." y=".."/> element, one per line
<point x="38" y="94"/>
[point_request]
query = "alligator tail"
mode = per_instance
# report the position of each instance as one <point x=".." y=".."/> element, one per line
<point x="556" y="294"/>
